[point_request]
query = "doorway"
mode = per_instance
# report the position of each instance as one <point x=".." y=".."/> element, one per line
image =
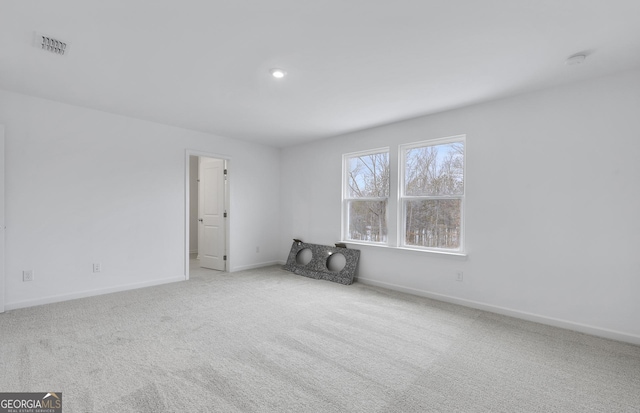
<point x="207" y="207"/>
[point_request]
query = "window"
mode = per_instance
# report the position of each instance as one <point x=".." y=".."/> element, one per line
<point x="366" y="196"/>
<point x="432" y="194"/>
<point x="419" y="204"/>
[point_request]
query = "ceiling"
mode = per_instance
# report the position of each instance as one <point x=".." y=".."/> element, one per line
<point x="351" y="64"/>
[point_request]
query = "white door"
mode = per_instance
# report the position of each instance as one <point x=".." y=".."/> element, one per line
<point x="1" y="218"/>
<point x="211" y="219"/>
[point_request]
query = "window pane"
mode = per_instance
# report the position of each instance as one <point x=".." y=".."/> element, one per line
<point x="434" y="170"/>
<point x="368" y="221"/>
<point x="433" y="223"/>
<point x="369" y="175"/>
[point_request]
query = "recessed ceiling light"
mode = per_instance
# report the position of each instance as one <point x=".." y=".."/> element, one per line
<point x="277" y="73"/>
<point x="576" y="59"/>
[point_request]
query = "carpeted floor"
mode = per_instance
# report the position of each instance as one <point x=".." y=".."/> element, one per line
<point x="267" y="340"/>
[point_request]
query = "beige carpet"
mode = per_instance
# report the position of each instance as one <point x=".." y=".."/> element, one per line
<point x="270" y="341"/>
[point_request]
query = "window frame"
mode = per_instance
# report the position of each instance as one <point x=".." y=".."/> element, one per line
<point x="403" y="198"/>
<point x="395" y="210"/>
<point x="346" y="198"/>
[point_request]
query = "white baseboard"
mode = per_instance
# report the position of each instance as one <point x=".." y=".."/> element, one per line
<point x="556" y="322"/>
<point x="89" y="293"/>
<point x="254" y="266"/>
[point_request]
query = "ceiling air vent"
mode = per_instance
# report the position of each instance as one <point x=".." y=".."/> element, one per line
<point x="50" y="44"/>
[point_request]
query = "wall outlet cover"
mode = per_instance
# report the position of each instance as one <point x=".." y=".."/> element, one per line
<point x="27" y="275"/>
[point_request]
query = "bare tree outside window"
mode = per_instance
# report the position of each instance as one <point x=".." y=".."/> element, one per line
<point x="433" y="195"/>
<point x="367" y="196"/>
<point x="429" y="200"/>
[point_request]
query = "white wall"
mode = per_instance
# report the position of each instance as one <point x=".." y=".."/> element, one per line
<point x="193" y="204"/>
<point x="84" y="186"/>
<point x="552" y="225"/>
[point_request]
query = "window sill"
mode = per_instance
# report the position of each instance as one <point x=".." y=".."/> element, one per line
<point x="456" y="254"/>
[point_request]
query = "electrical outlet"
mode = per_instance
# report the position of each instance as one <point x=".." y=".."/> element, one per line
<point x="97" y="267"/>
<point x="460" y="276"/>
<point x="27" y="275"/>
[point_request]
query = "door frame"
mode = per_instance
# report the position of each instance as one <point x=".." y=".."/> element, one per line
<point x="2" y="222"/>
<point x="187" y="201"/>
